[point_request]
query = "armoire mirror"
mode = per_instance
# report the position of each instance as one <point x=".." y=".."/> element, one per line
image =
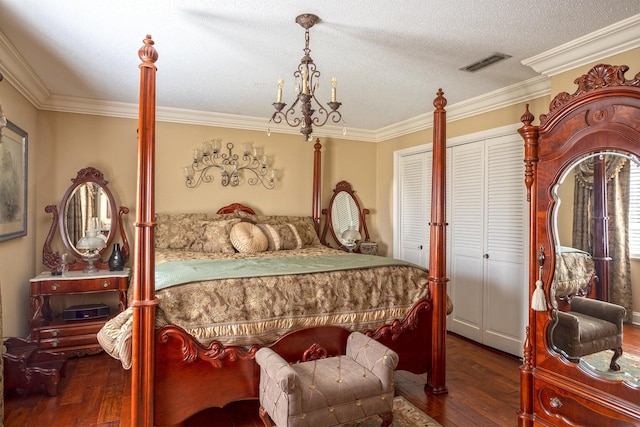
<point x="87" y="203"/>
<point x="344" y="211"/>
<point x="592" y="226"/>
<point x="587" y="140"/>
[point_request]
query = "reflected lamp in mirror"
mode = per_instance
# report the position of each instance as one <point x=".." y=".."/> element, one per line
<point x="252" y="165"/>
<point x="350" y="238"/>
<point x="90" y="245"/>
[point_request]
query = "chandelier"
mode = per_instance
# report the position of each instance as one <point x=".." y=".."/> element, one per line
<point x="306" y="82"/>
<point x="212" y="157"/>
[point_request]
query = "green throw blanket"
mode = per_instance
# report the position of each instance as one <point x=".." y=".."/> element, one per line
<point x="177" y="272"/>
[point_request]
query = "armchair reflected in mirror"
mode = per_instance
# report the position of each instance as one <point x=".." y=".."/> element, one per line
<point x="346" y="221"/>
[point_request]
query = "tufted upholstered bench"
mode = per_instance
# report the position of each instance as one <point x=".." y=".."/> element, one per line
<point x="328" y="391"/>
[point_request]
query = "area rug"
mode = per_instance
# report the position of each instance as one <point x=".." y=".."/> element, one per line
<point x="629" y="366"/>
<point x="405" y="414"/>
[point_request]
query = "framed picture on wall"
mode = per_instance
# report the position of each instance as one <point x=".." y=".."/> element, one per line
<point x="13" y="181"/>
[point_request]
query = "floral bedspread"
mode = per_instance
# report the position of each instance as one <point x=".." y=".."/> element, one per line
<point x="574" y="270"/>
<point x="258" y="310"/>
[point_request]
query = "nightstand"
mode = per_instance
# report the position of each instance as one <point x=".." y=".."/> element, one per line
<point x="369" y="248"/>
<point x="72" y="337"/>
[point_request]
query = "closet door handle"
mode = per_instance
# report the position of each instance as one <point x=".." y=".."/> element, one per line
<point x="420" y="247"/>
<point x="485" y="256"/>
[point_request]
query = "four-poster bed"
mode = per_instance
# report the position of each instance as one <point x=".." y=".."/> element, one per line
<point x="174" y="375"/>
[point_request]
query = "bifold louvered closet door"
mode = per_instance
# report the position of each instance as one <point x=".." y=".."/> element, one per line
<point x="414" y="207"/>
<point x="487" y="242"/>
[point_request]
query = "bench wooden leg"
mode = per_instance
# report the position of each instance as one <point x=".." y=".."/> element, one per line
<point x="387" y="419"/>
<point x="264" y="416"/>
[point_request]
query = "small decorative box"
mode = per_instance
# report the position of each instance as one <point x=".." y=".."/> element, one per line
<point x="369" y="248"/>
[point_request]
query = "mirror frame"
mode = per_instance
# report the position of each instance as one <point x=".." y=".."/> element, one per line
<point x="343" y="186"/>
<point x="600" y="116"/>
<point x="53" y="259"/>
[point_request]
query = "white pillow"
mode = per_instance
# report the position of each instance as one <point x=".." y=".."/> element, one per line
<point x="247" y="237"/>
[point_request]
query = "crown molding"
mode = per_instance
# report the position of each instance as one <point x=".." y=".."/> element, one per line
<point x="617" y="38"/>
<point x="20" y="75"/>
<point x="510" y="95"/>
<point x="66" y="104"/>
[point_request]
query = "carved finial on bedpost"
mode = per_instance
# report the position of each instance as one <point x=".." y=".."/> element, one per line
<point x="440" y="102"/>
<point x="527" y="117"/>
<point x="530" y="135"/>
<point x="147" y="53"/>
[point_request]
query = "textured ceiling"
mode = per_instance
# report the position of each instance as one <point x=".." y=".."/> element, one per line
<point x="390" y="58"/>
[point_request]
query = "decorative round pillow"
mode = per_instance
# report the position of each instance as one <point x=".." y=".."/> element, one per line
<point x="247" y="237"/>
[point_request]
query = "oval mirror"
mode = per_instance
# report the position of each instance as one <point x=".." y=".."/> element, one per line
<point x="344" y="213"/>
<point x="591" y="226"/>
<point x="88" y="203"/>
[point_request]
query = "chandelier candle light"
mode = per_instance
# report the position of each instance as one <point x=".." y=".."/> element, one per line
<point x="306" y="77"/>
<point x="252" y="162"/>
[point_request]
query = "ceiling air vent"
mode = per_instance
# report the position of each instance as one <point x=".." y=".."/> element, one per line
<point x="496" y="57"/>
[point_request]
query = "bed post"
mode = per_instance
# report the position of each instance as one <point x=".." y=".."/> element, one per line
<point x="317" y="186"/>
<point x="438" y="248"/>
<point x="529" y="134"/>
<point x="144" y="302"/>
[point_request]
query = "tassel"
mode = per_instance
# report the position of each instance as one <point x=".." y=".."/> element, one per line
<point x="538" y="302"/>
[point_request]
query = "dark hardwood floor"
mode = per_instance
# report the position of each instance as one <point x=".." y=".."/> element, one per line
<point x="483" y="385"/>
<point x="483" y="389"/>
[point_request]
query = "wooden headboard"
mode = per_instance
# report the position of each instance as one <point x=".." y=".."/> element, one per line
<point x="233" y="207"/>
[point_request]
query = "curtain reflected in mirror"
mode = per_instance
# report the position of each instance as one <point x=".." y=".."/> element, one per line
<point x="88" y="201"/>
<point x="587" y="209"/>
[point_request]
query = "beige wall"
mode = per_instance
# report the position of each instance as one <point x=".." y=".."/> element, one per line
<point x="17" y="256"/>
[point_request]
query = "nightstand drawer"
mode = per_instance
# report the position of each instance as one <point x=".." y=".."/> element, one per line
<point x="76" y="286"/>
<point x="62" y="342"/>
<point x="70" y="330"/>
